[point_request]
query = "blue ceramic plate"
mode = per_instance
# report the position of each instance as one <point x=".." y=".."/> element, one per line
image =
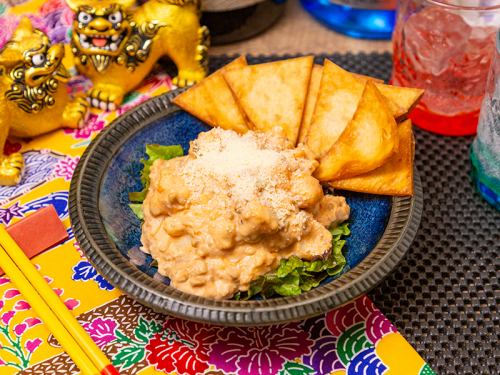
<point x="382" y="227"/>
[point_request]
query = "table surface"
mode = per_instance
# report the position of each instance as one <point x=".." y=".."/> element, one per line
<point x="288" y="36"/>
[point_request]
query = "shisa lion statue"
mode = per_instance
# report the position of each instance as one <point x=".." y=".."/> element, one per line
<point x="33" y="94"/>
<point x="116" y="45"/>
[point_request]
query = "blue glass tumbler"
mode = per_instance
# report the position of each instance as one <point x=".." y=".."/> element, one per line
<point x="367" y="19"/>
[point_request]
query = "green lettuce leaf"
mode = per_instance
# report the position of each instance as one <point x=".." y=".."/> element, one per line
<point x="153" y="152"/>
<point x="137" y="210"/>
<point x="295" y="276"/>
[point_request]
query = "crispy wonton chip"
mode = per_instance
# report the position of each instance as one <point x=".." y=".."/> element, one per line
<point x="212" y="101"/>
<point x="367" y="141"/>
<point x="273" y="94"/>
<point x="338" y="98"/>
<point x="365" y="77"/>
<point x="312" y="97"/>
<point x="395" y="177"/>
<point x="405" y="97"/>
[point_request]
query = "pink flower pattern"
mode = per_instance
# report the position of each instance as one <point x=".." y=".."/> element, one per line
<point x="12" y="331"/>
<point x="65" y="167"/>
<point x="31" y="345"/>
<point x="72" y="303"/>
<point x="31" y="322"/>
<point x="102" y="331"/>
<point x="261" y="350"/>
<point x="94" y="125"/>
<point x="11" y="293"/>
<point x="7" y="317"/>
<point x="22" y="305"/>
<point x="20" y="328"/>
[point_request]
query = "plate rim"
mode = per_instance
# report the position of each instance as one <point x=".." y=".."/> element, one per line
<point x="93" y="239"/>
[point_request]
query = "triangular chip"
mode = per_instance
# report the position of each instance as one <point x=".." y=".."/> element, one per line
<point x="212" y="101"/>
<point x="338" y="98"/>
<point x="365" y="77"/>
<point x="405" y="97"/>
<point x="273" y="94"/>
<point x="384" y="89"/>
<point x="395" y="177"/>
<point x="312" y="97"/>
<point x="367" y="141"/>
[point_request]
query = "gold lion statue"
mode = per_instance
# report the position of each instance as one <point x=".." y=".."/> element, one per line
<point x="33" y="92"/>
<point x="116" y="45"/>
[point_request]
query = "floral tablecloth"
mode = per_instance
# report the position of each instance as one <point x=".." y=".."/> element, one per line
<point x="354" y="339"/>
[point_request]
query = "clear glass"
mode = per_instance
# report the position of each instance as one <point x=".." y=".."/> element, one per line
<point x="445" y="47"/>
<point x="485" y="151"/>
<point x="368" y="19"/>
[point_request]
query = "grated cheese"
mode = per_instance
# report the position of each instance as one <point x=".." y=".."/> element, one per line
<point x="254" y="166"/>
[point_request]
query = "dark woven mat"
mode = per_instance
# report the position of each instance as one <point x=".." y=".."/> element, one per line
<point x="444" y="296"/>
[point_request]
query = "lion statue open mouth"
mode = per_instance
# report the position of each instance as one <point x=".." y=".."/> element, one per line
<point x="116" y="47"/>
<point x="33" y="83"/>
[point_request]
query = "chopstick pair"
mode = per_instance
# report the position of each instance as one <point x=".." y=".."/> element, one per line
<point x="73" y="338"/>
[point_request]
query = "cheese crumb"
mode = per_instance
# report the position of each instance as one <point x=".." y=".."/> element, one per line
<point x="255" y="166"/>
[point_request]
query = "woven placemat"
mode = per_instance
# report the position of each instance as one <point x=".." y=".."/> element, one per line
<point x="444" y="295"/>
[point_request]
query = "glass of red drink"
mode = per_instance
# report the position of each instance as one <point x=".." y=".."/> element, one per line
<point x="446" y="48"/>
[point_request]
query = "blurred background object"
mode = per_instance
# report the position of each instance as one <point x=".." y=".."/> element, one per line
<point x="369" y="19"/>
<point x="445" y="47"/>
<point x="298" y="32"/>
<point x="234" y="20"/>
<point x="485" y="151"/>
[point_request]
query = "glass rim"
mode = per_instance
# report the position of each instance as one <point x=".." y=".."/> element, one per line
<point x="445" y="4"/>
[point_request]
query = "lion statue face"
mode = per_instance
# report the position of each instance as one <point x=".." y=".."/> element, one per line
<point x="101" y="29"/>
<point x="32" y="67"/>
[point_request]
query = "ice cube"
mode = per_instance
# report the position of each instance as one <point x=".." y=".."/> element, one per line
<point x="434" y="36"/>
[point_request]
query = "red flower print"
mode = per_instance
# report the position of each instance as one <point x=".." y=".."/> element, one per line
<point x="181" y="347"/>
<point x="262" y="350"/>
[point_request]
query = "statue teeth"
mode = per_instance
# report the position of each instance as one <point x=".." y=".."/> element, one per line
<point x="115" y="37"/>
<point x="85" y="45"/>
<point x="113" y="47"/>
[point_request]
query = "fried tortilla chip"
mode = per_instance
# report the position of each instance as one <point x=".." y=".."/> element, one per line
<point x="365" y="77"/>
<point x="367" y="142"/>
<point x="312" y="97"/>
<point x="338" y="98"/>
<point x="212" y="101"/>
<point x="395" y="177"/>
<point x="396" y="109"/>
<point x="273" y="94"/>
<point x="405" y="97"/>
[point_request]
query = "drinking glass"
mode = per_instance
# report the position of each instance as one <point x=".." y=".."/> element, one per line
<point x="485" y="151"/>
<point x="445" y="47"/>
